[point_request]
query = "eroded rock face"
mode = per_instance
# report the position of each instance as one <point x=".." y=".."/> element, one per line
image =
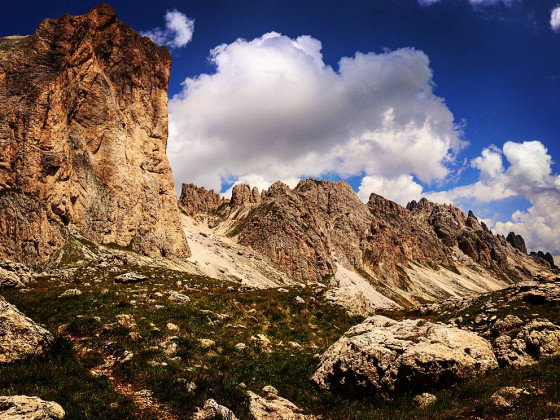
<point x="14" y="275"/>
<point x="517" y="242"/>
<point x="20" y="337"/>
<point x="537" y="339"/>
<point x="21" y="407"/>
<point x="195" y="200"/>
<point x="83" y="133"/>
<point x="301" y="229"/>
<point x="382" y="355"/>
<point x="454" y="228"/>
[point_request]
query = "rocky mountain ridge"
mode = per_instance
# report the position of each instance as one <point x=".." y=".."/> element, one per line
<point x="373" y="255"/>
<point x="83" y="130"/>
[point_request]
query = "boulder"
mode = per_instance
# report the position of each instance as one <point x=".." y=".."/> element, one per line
<point x="537" y="339"/>
<point x="213" y="411"/>
<point x="21" y="407"/>
<point x="381" y="355"/>
<point x="425" y="400"/>
<point x="273" y="407"/>
<point x="20" y="337"/>
<point x="130" y="277"/>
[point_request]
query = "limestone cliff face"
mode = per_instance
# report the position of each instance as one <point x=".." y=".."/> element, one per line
<point x="198" y="200"/>
<point x="307" y="230"/>
<point x="83" y="132"/>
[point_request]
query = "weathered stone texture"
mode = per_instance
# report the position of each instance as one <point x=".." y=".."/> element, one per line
<point x="83" y="132"/>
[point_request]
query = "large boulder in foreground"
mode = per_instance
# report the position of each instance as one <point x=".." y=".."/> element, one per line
<point x="21" y="407"/>
<point x="20" y="337"/>
<point x="381" y="355"/>
<point x="83" y="133"/>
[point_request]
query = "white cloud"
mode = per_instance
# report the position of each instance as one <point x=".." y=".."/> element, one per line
<point x="402" y="189"/>
<point x="555" y="19"/>
<point x="260" y="182"/>
<point x="529" y="175"/>
<point x="273" y="109"/>
<point x="178" y="30"/>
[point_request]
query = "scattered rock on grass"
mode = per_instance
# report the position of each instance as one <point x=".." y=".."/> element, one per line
<point x="425" y="400"/>
<point x="179" y="298"/>
<point x="130" y="277"/>
<point x="21" y="407"/>
<point x="71" y="292"/>
<point x="212" y="410"/>
<point x="273" y="407"/>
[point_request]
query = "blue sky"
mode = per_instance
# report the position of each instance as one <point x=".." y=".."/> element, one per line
<point x="442" y="83"/>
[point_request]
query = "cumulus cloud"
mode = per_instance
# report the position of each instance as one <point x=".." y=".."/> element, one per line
<point x="402" y="189"/>
<point x="274" y="110"/>
<point x="529" y="175"/>
<point x="177" y="33"/>
<point x="555" y="19"/>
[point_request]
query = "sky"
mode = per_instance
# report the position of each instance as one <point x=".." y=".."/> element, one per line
<point x="454" y="100"/>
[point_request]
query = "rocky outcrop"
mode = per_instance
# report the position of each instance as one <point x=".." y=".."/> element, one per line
<point x="537" y="339"/>
<point x="455" y="229"/>
<point x="543" y="258"/>
<point x="20" y="337"/>
<point x="273" y="407"/>
<point x="21" y="407"/>
<point x="213" y="411"/>
<point x="300" y="230"/>
<point x="14" y="275"/>
<point x="83" y="132"/>
<point x="196" y="200"/>
<point x="517" y="242"/>
<point x="242" y="194"/>
<point x="382" y="355"/>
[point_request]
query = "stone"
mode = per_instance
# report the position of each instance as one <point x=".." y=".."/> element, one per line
<point x="84" y="99"/>
<point x="130" y="277"/>
<point x="273" y="407"/>
<point x="71" y="292"/>
<point x="179" y="298"/>
<point x="506" y="397"/>
<point x="537" y="339"/>
<point x="20" y="337"/>
<point x="21" y="407"/>
<point x="382" y="355"/>
<point x="14" y="275"/>
<point x="172" y="327"/>
<point x="127" y="321"/>
<point x="206" y="343"/>
<point x="213" y="411"/>
<point x="507" y="324"/>
<point x="425" y="400"/>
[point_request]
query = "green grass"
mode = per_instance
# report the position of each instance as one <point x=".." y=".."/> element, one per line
<point x="218" y="371"/>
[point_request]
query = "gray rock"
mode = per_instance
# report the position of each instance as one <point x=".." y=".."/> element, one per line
<point x="130" y="277"/>
<point x="381" y="355"/>
<point x="21" y="407"/>
<point x="273" y="407"/>
<point x="212" y="411"/>
<point x="20" y="337"/>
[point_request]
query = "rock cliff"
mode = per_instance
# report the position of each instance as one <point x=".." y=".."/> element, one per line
<point x="83" y="132"/>
<point x="372" y="255"/>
